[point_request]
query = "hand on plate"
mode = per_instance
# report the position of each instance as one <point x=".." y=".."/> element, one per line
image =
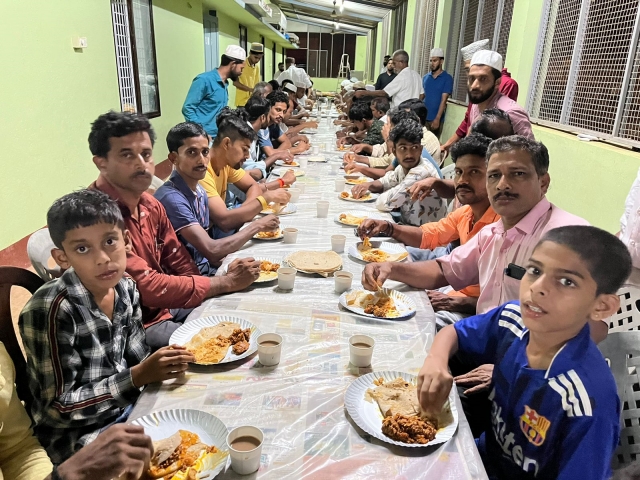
<point x="478" y="379"/>
<point x="371" y="228"/>
<point x="289" y="177"/>
<point x="164" y="364"/>
<point x="375" y="274"/>
<point x="268" y="223"/>
<point x="359" y="190"/>
<point x="243" y="272"/>
<point x="434" y="385"/>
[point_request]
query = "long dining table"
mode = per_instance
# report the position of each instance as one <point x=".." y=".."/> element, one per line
<point x="299" y="404"/>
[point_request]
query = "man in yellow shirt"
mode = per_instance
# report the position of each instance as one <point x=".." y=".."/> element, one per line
<point x="250" y="75"/>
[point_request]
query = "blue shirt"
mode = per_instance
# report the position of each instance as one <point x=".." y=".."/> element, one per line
<point x="184" y="208"/>
<point x="433" y="90"/>
<point x="206" y="97"/>
<point x="562" y="423"/>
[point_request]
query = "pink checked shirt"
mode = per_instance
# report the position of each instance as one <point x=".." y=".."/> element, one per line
<point x="483" y="259"/>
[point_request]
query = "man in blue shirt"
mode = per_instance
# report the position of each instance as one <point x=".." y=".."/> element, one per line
<point x="437" y="85"/>
<point x="208" y="93"/>
<point x="187" y="204"/>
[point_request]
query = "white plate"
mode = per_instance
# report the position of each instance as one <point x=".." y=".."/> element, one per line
<point x="188" y="329"/>
<point x="289" y="209"/>
<point x="367" y="415"/>
<point x="371" y="198"/>
<point x="309" y="131"/>
<point x="317" y="159"/>
<point x="352" y="181"/>
<point x="289" y="165"/>
<point x="277" y="237"/>
<point x="279" y="172"/>
<point x="386" y="247"/>
<point x="210" y="429"/>
<point x="404" y="304"/>
<point x="286" y="261"/>
<point x="259" y="259"/>
<point x="363" y="213"/>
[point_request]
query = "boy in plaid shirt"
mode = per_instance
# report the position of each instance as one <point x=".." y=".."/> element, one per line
<point x="86" y="349"/>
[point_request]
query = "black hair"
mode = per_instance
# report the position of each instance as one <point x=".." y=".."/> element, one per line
<point x="275" y="86"/>
<point x="286" y="81"/>
<point x="82" y="208"/>
<point x="256" y="107"/>
<point x="607" y="258"/>
<point x="178" y="134"/>
<point x="116" y="124"/>
<point x="416" y="106"/>
<point x="289" y="61"/>
<point x="278" y="96"/>
<point x="538" y="152"/>
<point x="493" y="123"/>
<point x="233" y="124"/>
<point x="395" y="116"/>
<point x="226" y="60"/>
<point x="280" y="63"/>
<point x="359" y="112"/>
<point x="381" y="104"/>
<point x="496" y="73"/>
<point x="409" y="130"/>
<point x="474" y="144"/>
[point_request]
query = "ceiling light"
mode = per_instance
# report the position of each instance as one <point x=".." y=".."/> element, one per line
<point x="341" y="6"/>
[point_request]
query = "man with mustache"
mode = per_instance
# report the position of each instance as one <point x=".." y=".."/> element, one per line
<point x="209" y="93"/>
<point x="461" y="225"/>
<point x="166" y="276"/>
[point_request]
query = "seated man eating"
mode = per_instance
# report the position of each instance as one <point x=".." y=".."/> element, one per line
<point x="361" y="115"/>
<point x="186" y="202"/>
<point x="122" y="148"/>
<point x="230" y="149"/>
<point x="406" y="137"/>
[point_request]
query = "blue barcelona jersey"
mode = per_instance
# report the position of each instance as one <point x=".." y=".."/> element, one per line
<point x="562" y="423"/>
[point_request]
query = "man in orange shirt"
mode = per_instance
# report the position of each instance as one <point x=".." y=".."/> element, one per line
<point x="470" y="183"/>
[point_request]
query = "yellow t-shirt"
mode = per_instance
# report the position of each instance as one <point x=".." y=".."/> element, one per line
<point x="216" y="185"/>
<point x="250" y="77"/>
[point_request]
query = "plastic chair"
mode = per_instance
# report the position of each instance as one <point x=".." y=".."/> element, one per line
<point x="39" y="251"/>
<point x="622" y="352"/>
<point x="628" y="317"/>
<point x="448" y="172"/>
<point x="427" y="156"/>
<point x="19" y="277"/>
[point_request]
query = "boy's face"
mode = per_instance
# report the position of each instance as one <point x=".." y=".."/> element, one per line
<point x="97" y="253"/>
<point x="277" y="112"/>
<point x="407" y="153"/>
<point x="129" y="162"/>
<point x="237" y="152"/>
<point x="558" y="294"/>
<point x="470" y="179"/>
<point x="377" y="114"/>
<point x="192" y="158"/>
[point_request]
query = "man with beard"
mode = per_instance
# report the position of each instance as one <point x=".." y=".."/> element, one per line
<point x="209" y="93"/>
<point x="437" y="85"/>
<point x="459" y="226"/>
<point x="385" y="77"/>
<point x="166" y="276"/>
<point x="483" y="84"/>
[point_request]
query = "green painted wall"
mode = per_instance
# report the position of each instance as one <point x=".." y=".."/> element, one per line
<point x="379" y="53"/>
<point x="57" y="92"/>
<point x="325" y="84"/>
<point x="361" y="53"/>
<point x="229" y="35"/>
<point x="408" y="33"/>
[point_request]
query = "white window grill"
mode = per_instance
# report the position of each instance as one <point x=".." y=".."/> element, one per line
<point x="587" y="68"/>
<point x="124" y="60"/>
<point x="423" y="35"/>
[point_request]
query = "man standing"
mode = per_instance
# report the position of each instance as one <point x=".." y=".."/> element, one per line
<point x="208" y="93"/>
<point x="250" y="75"/>
<point x="385" y="77"/>
<point x="406" y="85"/>
<point x="385" y="63"/>
<point x="280" y="67"/>
<point x="287" y="74"/>
<point x="437" y="85"/>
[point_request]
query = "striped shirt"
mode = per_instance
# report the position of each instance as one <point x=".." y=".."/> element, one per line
<point x="561" y="423"/>
<point x="78" y="361"/>
<point x="483" y="259"/>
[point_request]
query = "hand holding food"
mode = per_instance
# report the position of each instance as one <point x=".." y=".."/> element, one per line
<point x="280" y="195"/>
<point x="243" y="272"/>
<point x="268" y="223"/>
<point x="289" y="178"/>
<point x="166" y="363"/>
<point x="422" y="188"/>
<point x="371" y="228"/>
<point x="375" y="274"/>
<point x="360" y="190"/>
<point x="434" y="384"/>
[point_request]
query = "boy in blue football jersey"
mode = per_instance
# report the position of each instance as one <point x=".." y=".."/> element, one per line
<point x="555" y="412"/>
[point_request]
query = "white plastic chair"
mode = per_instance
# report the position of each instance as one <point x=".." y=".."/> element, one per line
<point x="449" y="171"/>
<point x="628" y="317"/>
<point x="156" y="183"/>
<point x="39" y="251"/>
<point x="622" y="352"/>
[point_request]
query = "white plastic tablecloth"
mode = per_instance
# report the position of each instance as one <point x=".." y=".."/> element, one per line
<point x="299" y="404"/>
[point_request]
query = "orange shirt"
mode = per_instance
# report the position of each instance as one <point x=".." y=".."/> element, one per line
<point x="458" y="225"/>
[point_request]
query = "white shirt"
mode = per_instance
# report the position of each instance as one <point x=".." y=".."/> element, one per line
<point x="286" y="75"/>
<point x="630" y="222"/>
<point x="406" y="85"/>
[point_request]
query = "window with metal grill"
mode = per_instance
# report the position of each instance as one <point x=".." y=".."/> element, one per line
<point x="473" y="20"/>
<point x="135" y="50"/>
<point x="587" y="73"/>
<point x="423" y="34"/>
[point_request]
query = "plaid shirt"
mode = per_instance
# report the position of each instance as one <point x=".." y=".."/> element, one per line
<point x="78" y="361"/>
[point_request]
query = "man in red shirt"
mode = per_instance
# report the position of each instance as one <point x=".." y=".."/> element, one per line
<point x="508" y="87"/>
<point x="166" y="276"/>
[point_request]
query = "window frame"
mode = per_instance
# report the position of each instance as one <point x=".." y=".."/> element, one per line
<point x="134" y="60"/>
<point x="243" y="40"/>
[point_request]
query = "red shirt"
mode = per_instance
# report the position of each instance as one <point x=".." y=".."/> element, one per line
<point x="164" y="272"/>
<point x="508" y="87"/>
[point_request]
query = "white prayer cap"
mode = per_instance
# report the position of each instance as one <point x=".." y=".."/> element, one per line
<point x="437" y="52"/>
<point x="489" y="58"/>
<point x="370" y="87"/>
<point x="469" y="50"/>
<point x="290" y="87"/>
<point x="354" y="79"/>
<point x="349" y="88"/>
<point x="358" y="84"/>
<point x="345" y="83"/>
<point x="236" y="52"/>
